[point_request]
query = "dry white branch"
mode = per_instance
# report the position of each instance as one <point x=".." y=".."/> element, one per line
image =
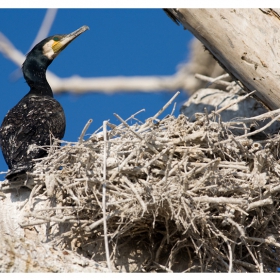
<point x="104" y="196"/>
<point x="79" y="85"/>
<point x="45" y="26"/>
<point x="214" y="80"/>
<point x="220" y="200"/>
<point x="240" y="43"/>
<point x="143" y="205"/>
<point x="234" y="102"/>
<point x="259" y="203"/>
<point x="81" y="138"/>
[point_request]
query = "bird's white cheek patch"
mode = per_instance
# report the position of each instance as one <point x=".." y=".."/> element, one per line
<point x="48" y="50"/>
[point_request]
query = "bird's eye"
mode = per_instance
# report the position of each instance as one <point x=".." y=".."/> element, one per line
<point x="56" y="39"/>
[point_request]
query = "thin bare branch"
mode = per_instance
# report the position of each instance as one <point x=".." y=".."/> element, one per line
<point x="104" y="197"/>
<point x="45" y="26"/>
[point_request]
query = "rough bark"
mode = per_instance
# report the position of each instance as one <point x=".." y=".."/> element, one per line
<point x="245" y="41"/>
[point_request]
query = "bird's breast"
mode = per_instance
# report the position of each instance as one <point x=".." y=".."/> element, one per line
<point x="35" y="115"/>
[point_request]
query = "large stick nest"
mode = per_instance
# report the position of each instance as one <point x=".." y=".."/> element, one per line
<point x="180" y="196"/>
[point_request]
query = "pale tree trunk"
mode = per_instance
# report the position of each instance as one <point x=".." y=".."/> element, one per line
<point x="245" y="41"/>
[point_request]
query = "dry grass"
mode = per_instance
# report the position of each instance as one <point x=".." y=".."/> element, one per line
<point x="189" y="196"/>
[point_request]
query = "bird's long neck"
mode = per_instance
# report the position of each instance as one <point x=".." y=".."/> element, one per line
<point x="34" y="72"/>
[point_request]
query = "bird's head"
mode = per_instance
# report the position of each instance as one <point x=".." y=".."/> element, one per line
<point x="42" y="55"/>
<point x="53" y="45"/>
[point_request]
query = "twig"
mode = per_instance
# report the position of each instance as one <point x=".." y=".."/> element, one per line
<point x="131" y="155"/>
<point x="159" y="112"/>
<point x="259" y="203"/>
<point x="104" y="197"/>
<point x="261" y="117"/>
<point x="163" y="267"/>
<point x="246" y="264"/>
<point x="219" y="200"/>
<point x="143" y="205"/>
<point x="95" y="224"/>
<point x="230" y="256"/>
<point x="45" y="26"/>
<point x="81" y="138"/>
<point x="261" y="260"/>
<point x="165" y="106"/>
<point x="136" y="134"/>
<point x="173" y="109"/>
<point x="251" y="133"/>
<point x="232" y="103"/>
<point x="214" y="80"/>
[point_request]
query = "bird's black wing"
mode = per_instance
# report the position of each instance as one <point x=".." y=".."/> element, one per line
<point x="32" y="121"/>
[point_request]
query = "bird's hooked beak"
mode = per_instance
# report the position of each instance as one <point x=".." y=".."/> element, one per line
<point x="61" y="42"/>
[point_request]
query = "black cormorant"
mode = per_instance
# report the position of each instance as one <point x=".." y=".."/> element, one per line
<point x="38" y="116"/>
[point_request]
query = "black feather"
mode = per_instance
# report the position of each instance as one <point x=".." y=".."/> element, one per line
<point x="38" y="116"/>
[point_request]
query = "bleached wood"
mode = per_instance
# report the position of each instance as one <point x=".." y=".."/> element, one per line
<point x="245" y="41"/>
<point x="108" y="85"/>
<point x="45" y="27"/>
<point x="104" y="197"/>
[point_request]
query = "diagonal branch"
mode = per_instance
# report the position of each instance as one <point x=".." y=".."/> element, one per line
<point x="45" y="26"/>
